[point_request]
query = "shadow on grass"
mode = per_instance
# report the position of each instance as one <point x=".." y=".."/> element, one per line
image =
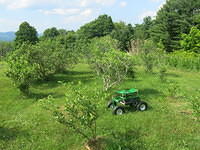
<point x="77" y="72"/>
<point x="172" y="75"/>
<point x="7" y="134"/>
<point x="38" y="96"/>
<point x="150" y="92"/>
<point x="68" y="76"/>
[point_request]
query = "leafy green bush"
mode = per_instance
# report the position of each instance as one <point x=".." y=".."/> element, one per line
<point x="5" y="48"/>
<point x="80" y="111"/>
<point x="191" y="41"/>
<point x="113" y="67"/>
<point x="39" y="61"/>
<point x="99" y="46"/>
<point x="50" y="57"/>
<point x="21" y="70"/>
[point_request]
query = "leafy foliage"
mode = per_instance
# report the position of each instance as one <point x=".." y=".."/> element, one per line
<point x="25" y="34"/>
<point x="80" y="111"/>
<point x="5" y="48"/>
<point x="191" y="41"/>
<point x="21" y="70"/>
<point x="113" y="67"/>
<point x="143" y="31"/>
<point x="102" y="26"/>
<point x="147" y="55"/>
<point x="109" y="63"/>
<point x="169" y="23"/>
<point x="51" y="33"/>
<point x="124" y="34"/>
<point x="184" y="60"/>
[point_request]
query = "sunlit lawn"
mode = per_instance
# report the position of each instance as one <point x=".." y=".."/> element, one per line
<point x="167" y="125"/>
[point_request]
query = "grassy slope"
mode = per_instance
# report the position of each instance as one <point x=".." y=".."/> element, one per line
<point x="167" y="125"/>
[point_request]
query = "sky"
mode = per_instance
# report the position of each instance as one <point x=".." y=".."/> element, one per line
<point x="71" y="14"/>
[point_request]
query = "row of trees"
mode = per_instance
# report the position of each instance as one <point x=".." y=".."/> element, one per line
<point x="37" y="58"/>
<point x="100" y="43"/>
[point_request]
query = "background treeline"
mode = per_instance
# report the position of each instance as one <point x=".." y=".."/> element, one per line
<point x="171" y="39"/>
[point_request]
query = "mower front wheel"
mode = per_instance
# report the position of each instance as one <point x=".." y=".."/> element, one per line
<point x="118" y="110"/>
<point x="142" y="106"/>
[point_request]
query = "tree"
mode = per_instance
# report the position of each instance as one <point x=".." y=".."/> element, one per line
<point x="173" y="19"/>
<point x="5" y="48"/>
<point x="21" y="70"/>
<point x="142" y="31"/>
<point x="99" y="46"/>
<point x="124" y="34"/>
<point x="51" y="33"/>
<point x="25" y="34"/>
<point x="191" y="41"/>
<point x="80" y="112"/>
<point x="148" y="50"/>
<point x="51" y="57"/>
<point x="101" y="26"/>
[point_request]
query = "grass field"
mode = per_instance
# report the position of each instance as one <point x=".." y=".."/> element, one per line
<point x="167" y="125"/>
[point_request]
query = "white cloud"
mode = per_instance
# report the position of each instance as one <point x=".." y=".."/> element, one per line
<point x="123" y="4"/>
<point x="18" y="4"/>
<point x="152" y="13"/>
<point x="60" y="11"/>
<point x="86" y="13"/>
<point x="82" y="17"/>
<point x="85" y="3"/>
<point x="147" y="13"/>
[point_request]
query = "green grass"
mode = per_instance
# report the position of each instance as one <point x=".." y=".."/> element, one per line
<point x="167" y="125"/>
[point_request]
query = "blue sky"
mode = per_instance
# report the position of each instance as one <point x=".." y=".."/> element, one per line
<point x="71" y="14"/>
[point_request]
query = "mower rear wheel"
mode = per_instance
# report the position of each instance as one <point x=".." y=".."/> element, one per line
<point x="111" y="105"/>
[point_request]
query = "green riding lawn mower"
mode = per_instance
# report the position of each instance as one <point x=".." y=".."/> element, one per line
<point x="126" y="99"/>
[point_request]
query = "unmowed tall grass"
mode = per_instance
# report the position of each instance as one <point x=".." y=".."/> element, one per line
<point x="184" y="60"/>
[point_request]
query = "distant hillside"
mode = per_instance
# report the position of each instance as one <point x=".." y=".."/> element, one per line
<point x="7" y="36"/>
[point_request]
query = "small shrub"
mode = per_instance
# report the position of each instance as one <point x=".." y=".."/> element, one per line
<point x="147" y="55"/>
<point x="21" y="70"/>
<point x="80" y="111"/>
<point x="113" y="68"/>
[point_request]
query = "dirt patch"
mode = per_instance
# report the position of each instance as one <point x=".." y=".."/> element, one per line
<point x="96" y="144"/>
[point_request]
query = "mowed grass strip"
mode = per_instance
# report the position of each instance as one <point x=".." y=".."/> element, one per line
<point x="24" y="124"/>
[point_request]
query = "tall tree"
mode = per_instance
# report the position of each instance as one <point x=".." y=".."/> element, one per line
<point x="51" y="33"/>
<point x="25" y="34"/>
<point x="101" y="26"/>
<point x="173" y="19"/>
<point x="123" y="33"/>
<point x="142" y="31"/>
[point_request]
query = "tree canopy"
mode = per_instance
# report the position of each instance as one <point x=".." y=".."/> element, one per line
<point x="26" y="34"/>
<point x="101" y="26"/>
<point x="173" y="19"/>
<point x="51" y="33"/>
